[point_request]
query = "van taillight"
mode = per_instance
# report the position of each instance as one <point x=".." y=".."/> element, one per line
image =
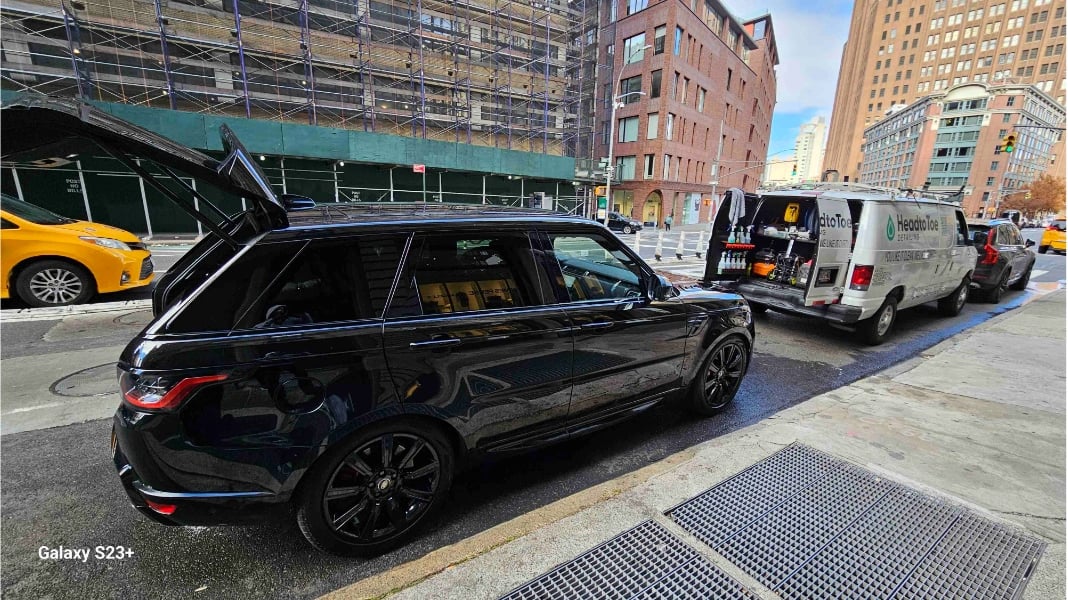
<point x="152" y="392"/>
<point x="861" y="277"/>
<point x="990" y="253"/>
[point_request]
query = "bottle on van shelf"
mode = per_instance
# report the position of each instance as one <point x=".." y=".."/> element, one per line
<point x="722" y="261"/>
<point x="802" y="276"/>
<point x="730" y="238"/>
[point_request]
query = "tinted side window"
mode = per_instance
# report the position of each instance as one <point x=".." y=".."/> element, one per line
<point x="5" y="224"/>
<point x="454" y="273"/>
<point x="298" y="283"/>
<point x="594" y="267"/>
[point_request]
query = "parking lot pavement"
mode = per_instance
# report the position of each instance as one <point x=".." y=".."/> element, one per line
<point x="971" y="421"/>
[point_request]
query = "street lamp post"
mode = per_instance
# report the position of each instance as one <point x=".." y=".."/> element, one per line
<point x="610" y="168"/>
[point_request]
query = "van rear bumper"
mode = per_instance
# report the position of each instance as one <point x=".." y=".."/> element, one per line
<point x="791" y="300"/>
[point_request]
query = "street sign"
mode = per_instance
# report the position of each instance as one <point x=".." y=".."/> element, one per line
<point x="602" y="202"/>
<point x="418" y="168"/>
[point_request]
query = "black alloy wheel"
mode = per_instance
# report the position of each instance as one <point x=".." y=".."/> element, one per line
<point x="375" y="491"/>
<point x="1021" y="283"/>
<point x="720" y="376"/>
<point x="994" y="294"/>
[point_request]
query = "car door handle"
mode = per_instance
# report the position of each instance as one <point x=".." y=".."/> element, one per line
<point x="438" y="342"/>
<point x="597" y="325"/>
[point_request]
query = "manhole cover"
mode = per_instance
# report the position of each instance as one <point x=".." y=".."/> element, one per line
<point x="645" y="562"/>
<point x="94" y="381"/>
<point x="808" y="525"/>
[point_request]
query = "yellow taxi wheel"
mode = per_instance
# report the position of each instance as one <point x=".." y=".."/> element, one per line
<point x="54" y="283"/>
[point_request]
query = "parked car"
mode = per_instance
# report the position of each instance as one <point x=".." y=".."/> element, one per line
<point x="1053" y="237"/>
<point x="850" y="254"/>
<point x="343" y="364"/>
<point x="1005" y="258"/>
<point x="51" y="260"/>
<point x="617" y="222"/>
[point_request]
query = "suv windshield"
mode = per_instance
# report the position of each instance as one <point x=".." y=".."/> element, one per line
<point x="31" y="213"/>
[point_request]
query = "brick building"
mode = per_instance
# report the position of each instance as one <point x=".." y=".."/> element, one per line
<point x="708" y="91"/>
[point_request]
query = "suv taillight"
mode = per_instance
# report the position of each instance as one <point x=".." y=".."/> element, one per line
<point x="152" y="392"/>
<point x="861" y="279"/>
<point x="990" y="253"/>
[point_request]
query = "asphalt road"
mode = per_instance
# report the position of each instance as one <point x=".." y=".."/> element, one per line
<point x="60" y="488"/>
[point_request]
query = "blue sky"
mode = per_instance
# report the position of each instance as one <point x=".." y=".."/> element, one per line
<point x="810" y="35"/>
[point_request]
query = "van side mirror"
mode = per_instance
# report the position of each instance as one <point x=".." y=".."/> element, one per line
<point x="293" y="202"/>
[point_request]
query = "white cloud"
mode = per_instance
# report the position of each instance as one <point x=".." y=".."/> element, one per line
<point x="810" y="37"/>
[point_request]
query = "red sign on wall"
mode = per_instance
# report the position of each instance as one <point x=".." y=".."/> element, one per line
<point x="418" y="168"/>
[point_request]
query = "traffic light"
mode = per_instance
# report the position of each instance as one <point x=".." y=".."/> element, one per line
<point x="1009" y="143"/>
<point x="793" y="172"/>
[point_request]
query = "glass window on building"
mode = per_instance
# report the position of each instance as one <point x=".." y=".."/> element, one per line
<point x="625" y="167"/>
<point x="634" y="6"/>
<point x="678" y="40"/>
<point x="654" y="88"/>
<point x="658" y="39"/>
<point x="628" y="129"/>
<point x="649" y="166"/>
<point x="629" y="88"/>
<point x="653" y="126"/>
<point x="669" y="128"/>
<point x="634" y="49"/>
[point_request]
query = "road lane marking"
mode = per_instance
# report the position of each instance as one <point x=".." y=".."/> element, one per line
<point x="29" y="408"/>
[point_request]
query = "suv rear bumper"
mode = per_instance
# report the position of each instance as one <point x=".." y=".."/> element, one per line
<point x="791" y="300"/>
<point x="191" y="508"/>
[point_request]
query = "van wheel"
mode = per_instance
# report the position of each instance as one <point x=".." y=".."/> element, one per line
<point x="1021" y="283"/>
<point x="875" y="329"/>
<point x="54" y="283"/>
<point x="951" y="305"/>
<point x="720" y="377"/>
<point x="1043" y="249"/>
<point x="375" y="490"/>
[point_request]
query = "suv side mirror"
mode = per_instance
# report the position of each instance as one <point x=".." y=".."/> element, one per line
<point x="659" y="288"/>
<point x="1029" y="243"/>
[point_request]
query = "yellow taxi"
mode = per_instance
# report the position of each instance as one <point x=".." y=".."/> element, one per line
<point x="50" y="260"/>
<point x="1053" y="237"/>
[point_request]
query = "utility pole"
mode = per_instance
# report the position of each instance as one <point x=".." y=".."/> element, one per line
<point x="610" y="168"/>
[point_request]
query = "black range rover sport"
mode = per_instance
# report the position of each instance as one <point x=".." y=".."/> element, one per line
<point x="342" y="362"/>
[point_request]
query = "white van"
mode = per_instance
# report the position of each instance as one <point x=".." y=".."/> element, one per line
<point x="851" y="254"/>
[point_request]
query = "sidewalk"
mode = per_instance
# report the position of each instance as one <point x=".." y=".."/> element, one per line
<point x="978" y="419"/>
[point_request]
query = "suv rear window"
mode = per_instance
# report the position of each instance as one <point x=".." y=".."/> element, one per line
<point x="297" y="283"/>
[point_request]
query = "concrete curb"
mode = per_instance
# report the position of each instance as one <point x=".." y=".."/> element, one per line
<point x="62" y="312"/>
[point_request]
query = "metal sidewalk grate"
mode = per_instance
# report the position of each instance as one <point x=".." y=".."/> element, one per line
<point x="645" y="562"/>
<point x="810" y="526"/>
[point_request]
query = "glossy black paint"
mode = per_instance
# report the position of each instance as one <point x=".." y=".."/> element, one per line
<point x="1015" y="257"/>
<point x="494" y="381"/>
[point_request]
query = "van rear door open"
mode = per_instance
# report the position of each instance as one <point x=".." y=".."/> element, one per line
<point x="827" y="278"/>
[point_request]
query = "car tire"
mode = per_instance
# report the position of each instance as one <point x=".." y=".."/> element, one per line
<point x="951" y="305"/>
<point x="54" y="283"/>
<point x="994" y="294"/>
<point x="758" y="308"/>
<point x="1021" y="283"/>
<point x="875" y="329"/>
<point x="720" y="376"/>
<point x="376" y="489"/>
<point x="1043" y="249"/>
<point x="628" y="229"/>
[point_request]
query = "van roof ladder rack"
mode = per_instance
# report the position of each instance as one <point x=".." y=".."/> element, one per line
<point x="848" y="186"/>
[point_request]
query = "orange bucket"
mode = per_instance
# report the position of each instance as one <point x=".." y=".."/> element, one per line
<point x="762" y="269"/>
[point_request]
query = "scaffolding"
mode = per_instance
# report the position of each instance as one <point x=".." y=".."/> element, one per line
<point x="502" y="73"/>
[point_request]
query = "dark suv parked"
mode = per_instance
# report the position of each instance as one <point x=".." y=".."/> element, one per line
<point x="344" y="361"/>
<point x="1005" y="258"/>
